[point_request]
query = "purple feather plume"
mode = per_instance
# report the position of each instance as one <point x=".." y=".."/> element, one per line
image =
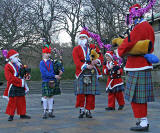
<point x="5" y="53"/>
<point x="139" y="12"/>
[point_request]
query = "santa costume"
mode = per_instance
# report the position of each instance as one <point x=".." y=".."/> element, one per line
<point x="16" y="87"/>
<point x="114" y="86"/>
<point x="139" y="87"/>
<point x="87" y="74"/>
<point x="50" y="82"/>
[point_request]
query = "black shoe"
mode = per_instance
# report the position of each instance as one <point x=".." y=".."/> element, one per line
<point x="25" y="117"/>
<point x="10" y="118"/>
<point x="88" y="114"/>
<point x="44" y="116"/>
<point x="139" y="128"/>
<point x="51" y="115"/>
<point x="109" y="108"/>
<point x="121" y="107"/>
<point x="81" y="114"/>
<point x="138" y="123"/>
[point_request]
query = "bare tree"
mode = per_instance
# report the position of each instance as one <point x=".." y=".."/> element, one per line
<point x="43" y="15"/>
<point x="72" y="16"/>
<point x="14" y="29"/>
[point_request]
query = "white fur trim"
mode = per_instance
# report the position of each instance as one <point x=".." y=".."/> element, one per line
<point x="138" y="69"/>
<point x="109" y="55"/>
<point x="26" y="87"/>
<point x="116" y="51"/>
<point x="82" y="67"/>
<point x="83" y="35"/>
<point x="109" y="87"/>
<point x="104" y="71"/>
<point x="11" y="57"/>
<point x="6" y="98"/>
<point x="23" y="83"/>
<point x="15" y="71"/>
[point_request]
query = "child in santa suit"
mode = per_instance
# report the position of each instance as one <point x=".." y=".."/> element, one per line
<point x="48" y="82"/>
<point x="139" y="86"/>
<point x="16" y="87"/>
<point x="115" y="85"/>
<point x="86" y="87"/>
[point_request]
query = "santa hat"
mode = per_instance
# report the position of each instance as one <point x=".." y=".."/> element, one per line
<point x="46" y="49"/>
<point x="11" y="54"/>
<point x="137" y="6"/>
<point x="109" y="53"/>
<point x="85" y="33"/>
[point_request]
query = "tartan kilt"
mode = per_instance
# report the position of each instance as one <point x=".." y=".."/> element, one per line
<point x="81" y="87"/>
<point x="139" y="87"/>
<point x="47" y="91"/>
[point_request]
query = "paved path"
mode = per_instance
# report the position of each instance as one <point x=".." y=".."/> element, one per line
<point x="67" y="121"/>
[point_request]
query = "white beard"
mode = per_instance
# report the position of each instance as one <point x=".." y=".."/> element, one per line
<point x="16" y="61"/>
<point x="82" y="42"/>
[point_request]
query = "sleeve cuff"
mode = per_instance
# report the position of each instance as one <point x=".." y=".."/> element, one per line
<point x="116" y="51"/>
<point x="104" y="71"/>
<point x="22" y="82"/>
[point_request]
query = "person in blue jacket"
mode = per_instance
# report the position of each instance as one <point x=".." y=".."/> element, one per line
<point x="50" y="84"/>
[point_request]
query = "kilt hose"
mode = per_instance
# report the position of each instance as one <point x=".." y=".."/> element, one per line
<point x="87" y="100"/>
<point x="139" y="91"/>
<point x="16" y="103"/>
<point x="115" y="96"/>
<point x="139" y="109"/>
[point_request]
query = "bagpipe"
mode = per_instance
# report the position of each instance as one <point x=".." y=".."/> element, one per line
<point x="25" y="72"/>
<point x="114" y="71"/>
<point x="57" y="61"/>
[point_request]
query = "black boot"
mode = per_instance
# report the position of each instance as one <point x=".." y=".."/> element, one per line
<point x="139" y="128"/>
<point x="25" y="117"/>
<point x="88" y="114"/>
<point x="51" y="115"/>
<point x="109" y="108"/>
<point x="121" y="107"/>
<point x="45" y="115"/>
<point x="10" y="118"/>
<point x="81" y="113"/>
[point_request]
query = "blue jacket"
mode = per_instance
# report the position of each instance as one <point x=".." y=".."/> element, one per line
<point x="45" y="74"/>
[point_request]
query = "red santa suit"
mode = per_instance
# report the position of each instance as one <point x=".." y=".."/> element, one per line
<point x="114" y="85"/>
<point x="79" y="56"/>
<point x="17" y="102"/>
<point x="139" y="88"/>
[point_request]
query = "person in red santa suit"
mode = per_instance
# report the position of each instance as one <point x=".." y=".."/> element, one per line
<point x="87" y="74"/>
<point x="115" y="85"/>
<point x="139" y="87"/>
<point x="16" y="87"/>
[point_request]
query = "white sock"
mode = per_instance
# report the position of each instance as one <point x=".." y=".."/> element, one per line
<point x="50" y="104"/>
<point x="44" y="104"/>
<point x="144" y="122"/>
<point x="87" y="110"/>
<point x="82" y="109"/>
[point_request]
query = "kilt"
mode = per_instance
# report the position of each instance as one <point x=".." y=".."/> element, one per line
<point x="16" y="91"/>
<point x="81" y="87"/>
<point x="139" y="87"/>
<point x="47" y="91"/>
<point x="116" y="89"/>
